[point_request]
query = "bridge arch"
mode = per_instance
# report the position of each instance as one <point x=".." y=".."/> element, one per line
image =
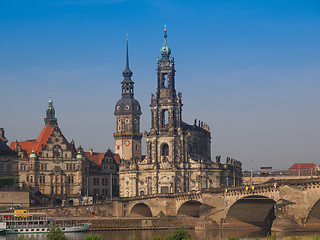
<point x="190" y="208"/>
<point x="140" y="210"/>
<point x="314" y="213"/>
<point x="254" y="209"/>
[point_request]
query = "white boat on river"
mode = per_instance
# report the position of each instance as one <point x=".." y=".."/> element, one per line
<point x="37" y="223"/>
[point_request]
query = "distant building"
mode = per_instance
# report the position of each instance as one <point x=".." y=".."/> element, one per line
<point x="178" y="155"/>
<point x="54" y="167"/>
<point x="303" y="167"/>
<point x="296" y="171"/>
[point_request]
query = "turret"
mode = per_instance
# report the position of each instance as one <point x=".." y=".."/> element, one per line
<point x="50" y="115"/>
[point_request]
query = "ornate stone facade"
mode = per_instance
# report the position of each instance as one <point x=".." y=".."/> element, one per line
<point x="178" y="155"/>
<point x="52" y="166"/>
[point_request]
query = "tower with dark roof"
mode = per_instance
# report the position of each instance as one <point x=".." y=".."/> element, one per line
<point x="50" y="115"/>
<point x="127" y="111"/>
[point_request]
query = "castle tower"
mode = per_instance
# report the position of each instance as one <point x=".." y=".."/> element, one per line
<point x="127" y="111"/>
<point x="50" y="115"/>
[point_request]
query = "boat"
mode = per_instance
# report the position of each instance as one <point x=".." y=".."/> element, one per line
<point x="27" y="222"/>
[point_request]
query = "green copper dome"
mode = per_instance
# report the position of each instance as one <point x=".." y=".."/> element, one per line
<point x="165" y="50"/>
<point x="33" y="155"/>
<point x="79" y="156"/>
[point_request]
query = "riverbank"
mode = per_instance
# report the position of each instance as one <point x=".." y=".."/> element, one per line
<point x="198" y="224"/>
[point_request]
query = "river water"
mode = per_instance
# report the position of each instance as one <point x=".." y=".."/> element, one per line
<point x="147" y="234"/>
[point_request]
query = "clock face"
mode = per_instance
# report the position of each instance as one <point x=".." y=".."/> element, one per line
<point x="127" y="143"/>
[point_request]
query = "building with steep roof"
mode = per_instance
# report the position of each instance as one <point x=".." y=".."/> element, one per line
<point x="52" y="166"/>
<point x="178" y="157"/>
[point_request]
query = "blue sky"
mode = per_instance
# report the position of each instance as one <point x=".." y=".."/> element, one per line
<point x="249" y="69"/>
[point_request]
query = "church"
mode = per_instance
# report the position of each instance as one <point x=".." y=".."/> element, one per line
<point x="178" y="155"/>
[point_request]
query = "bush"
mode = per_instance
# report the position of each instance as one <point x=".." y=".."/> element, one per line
<point x="24" y="237"/>
<point x="6" y="181"/>
<point x="93" y="236"/>
<point x="180" y="234"/>
<point x="133" y="237"/>
<point x="55" y="233"/>
<point x="156" y="237"/>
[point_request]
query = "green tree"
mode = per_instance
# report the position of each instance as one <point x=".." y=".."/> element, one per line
<point x="6" y="181"/>
<point x="93" y="236"/>
<point x="55" y="233"/>
<point x="180" y="234"/>
<point x="24" y="237"/>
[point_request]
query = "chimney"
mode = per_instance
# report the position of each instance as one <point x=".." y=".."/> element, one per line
<point x="91" y="151"/>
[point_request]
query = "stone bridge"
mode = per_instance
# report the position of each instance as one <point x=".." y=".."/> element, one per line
<point x="259" y="205"/>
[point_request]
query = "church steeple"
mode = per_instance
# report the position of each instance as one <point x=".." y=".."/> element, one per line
<point x="165" y="50"/>
<point x="127" y="83"/>
<point x="166" y="71"/>
<point x="166" y="105"/>
<point x="127" y="111"/>
<point x="50" y="114"/>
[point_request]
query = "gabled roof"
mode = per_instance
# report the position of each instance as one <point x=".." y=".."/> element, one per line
<point x="95" y="157"/>
<point x="302" y="167"/>
<point x="35" y="145"/>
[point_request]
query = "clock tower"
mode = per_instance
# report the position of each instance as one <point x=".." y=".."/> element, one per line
<point x="127" y="111"/>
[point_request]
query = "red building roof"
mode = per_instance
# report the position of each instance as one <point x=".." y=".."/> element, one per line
<point x="35" y="145"/>
<point x="302" y="167"/>
<point x="116" y="157"/>
<point x="98" y="157"/>
<point x="95" y="157"/>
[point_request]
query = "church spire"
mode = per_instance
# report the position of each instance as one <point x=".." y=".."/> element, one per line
<point x="127" y="73"/>
<point x="50" y="114"/>
<point x="165" y="50"/>
<point x="127" y="83"/>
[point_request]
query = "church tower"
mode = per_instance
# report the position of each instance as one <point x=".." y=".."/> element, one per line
<point x="165" y="106"/>
<point x="166" y="109"/>
<point x="166" y="142"/>
<point x="127" y="111"/>
<point x="178" y="157"/>
<point x="50" y="115"/>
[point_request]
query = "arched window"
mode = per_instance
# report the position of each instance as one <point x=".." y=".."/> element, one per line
<point x="165" y="80"/>
<point x="165" y="150"/>
<point x="165" y="118"/>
